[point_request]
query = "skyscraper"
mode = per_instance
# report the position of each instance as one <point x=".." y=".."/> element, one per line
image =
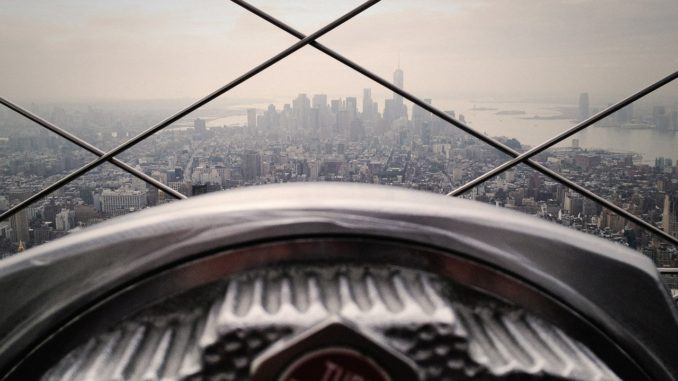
<point x="19" y="223"/>
<point x="367" y="104"/>
<point x="199" y="126"/>
<point x="301" y="111"/>
<point x="420" y="115"/>
<point x="336" y="105"/>
<point x="661" y="120"/>
<point x="343" y="123"/>
<point x="271" y="117"/>
<point x="319" y="101"/>
<point x="389" y="111"/>
<point x="352" y="108"/>
<point x="251" y="118"/>
<point x="670" y="218"/>
<point x="399" y="82"/>
<point x="583" y="106"/>
<point x="251" y="165"/>
<point x="315" y="118"/>
<point x="426" y="133"/>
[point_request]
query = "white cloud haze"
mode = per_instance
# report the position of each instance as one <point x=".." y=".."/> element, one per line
<point x="77" y="49"/>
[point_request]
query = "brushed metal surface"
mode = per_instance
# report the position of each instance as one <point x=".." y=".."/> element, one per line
<point x="581" y="281"/>
<point x="217" y="331"/>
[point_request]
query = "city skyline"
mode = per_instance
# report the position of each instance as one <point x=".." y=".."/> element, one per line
<point x="483" y="167"/>
<point x="310" y="118"/>
<point x="313" y="137"/>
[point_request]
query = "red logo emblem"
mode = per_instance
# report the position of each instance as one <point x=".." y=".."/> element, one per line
<point x="334" y="364"/>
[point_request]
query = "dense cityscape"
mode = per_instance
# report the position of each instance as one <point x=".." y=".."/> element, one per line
<point x="314" y="138"/>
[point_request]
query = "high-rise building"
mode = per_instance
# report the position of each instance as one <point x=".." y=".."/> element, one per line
<point x="122" y="201"/>
<point x="663" y="163"/>
<point x="399" y="82"/>
<point x="301" y="111"/>
<point x="661" y="120"/>
<point x="584" y="112"/>
<point x="352" y="108"/>
<point x="5" y="230"/>
<point x="343" y="123"/>
<point x="50" y="211"/>
<point x="19" y="224"/>
<point x="357" y="131"/>
<point x="319" y="101"/>
<point x="389" y="110"/>
<point x="336" y="105"/>
<point x="670" y="217"/>
<point x="65" y="220"/>
<point x="271" y="117"/>
<point x="394" y="108"/>
<point x="426" y="133"/>
<point x="251" y="165"/>
<point x="367" y="104"/>
<point x="315" y="119"/>
<point x="573" y="203"/>
<point x="420" y="115"/>
<point x="200" y="126"/>
<point x="251" y="118"/>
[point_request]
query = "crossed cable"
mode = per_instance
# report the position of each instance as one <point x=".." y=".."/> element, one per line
<point x="517" y="158"/>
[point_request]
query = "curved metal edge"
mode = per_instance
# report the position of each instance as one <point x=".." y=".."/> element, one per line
<point x="211" y="267"/>
<point x="612" y="286"/>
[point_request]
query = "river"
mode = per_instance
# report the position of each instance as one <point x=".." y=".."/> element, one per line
<point x="501" y="119"/>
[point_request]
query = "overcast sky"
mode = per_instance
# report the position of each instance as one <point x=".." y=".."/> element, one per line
<point x="124" y="49"/>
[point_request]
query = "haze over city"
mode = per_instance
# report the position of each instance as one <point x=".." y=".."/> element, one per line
<point x="76" y="50"/>
<point x="519" y="73"/>
<point x="417" y="190"/>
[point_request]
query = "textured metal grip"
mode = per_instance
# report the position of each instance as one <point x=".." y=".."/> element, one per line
<point x="224" y="331"/>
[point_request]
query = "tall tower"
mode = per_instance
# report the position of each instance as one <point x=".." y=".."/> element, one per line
<point x="399" y="82"/>
<point x="670" y="219"/>
<point x="320" y="101"/>
<point x="251" y="165"/>
<point x="367" y="104"/>
<point x="301" y="110"/>
<point x="19" y="223"/>
<point x="352" y="108"/>
<point x="200" y="126"/>
<point x="251" y="118"/>
<point x="583" y="106"/>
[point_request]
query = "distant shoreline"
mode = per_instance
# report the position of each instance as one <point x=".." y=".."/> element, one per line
<point x="550" y="117"/>
<point x="510" y="112"/>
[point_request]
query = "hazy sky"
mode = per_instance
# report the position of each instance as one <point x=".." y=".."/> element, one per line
<point x="124" y="49"/>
